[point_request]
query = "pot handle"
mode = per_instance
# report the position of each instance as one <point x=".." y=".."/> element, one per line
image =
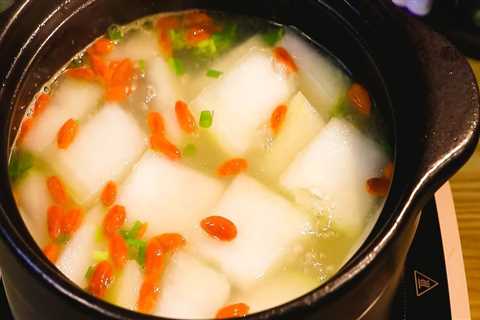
<point x="451" y="131"/>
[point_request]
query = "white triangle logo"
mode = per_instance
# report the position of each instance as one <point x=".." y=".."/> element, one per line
<point x="423" y="284"/>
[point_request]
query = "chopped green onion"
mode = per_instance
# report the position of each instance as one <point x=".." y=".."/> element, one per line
<point x="207" y="48"/>
<point x="132" y="234"/>
<point x="62" y="239"/>
<point x="99" y="236"/>
<point x="141" y="255"/>
<point x="189" y="150"/>
<point x="214" y="73"/>
<point x="178" y="39"/>
<point x="206" y="119"/>
<point x="136" y="250"/>
<point x="89" y="273"/>
<point x="272" y="37"/>
<point x="114" y="33"/>
<point x="225" y="39"/>
<point x="100" y="255"/>
<point x="141" y="66"/>
<point x="20" y="163"/>
<point x="176" y="65"/>
<point x="135" y="229"/>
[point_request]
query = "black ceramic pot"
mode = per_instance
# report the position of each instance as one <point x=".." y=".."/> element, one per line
<point x="421" y="84"/>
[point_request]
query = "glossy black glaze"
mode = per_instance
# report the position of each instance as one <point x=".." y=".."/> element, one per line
<point x="422" y="86"/>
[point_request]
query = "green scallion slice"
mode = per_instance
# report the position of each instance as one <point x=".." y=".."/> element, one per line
<point x="62" y="239"/>
<point x="100" y="255"/>
<point x="176" y="65"/>
<point x="141" y="66"/>
<point x="114" y="33"/>
<point x="141" y="254"/>
<point x="190" y="150"/>
<point x="20" y="163"/>
<point x="89" y="273"/>
<point x="206" y="119"/>
<point x="212" y="73"/>
<point x="272" y="37"/>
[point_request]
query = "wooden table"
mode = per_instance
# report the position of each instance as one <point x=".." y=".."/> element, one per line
<point x="466" y="194"/>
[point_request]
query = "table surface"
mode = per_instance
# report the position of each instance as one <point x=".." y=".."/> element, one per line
<point x="466" y="193"/>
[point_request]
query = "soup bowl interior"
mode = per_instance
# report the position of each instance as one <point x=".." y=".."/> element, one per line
<point x="363" y="36"/>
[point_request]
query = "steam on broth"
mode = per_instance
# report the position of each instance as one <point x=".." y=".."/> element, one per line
<point x="200" y="152"/>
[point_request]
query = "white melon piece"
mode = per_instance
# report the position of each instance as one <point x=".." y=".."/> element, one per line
<point x="128" y="285"/>
<point x="333" y="170"/>
<point x="244" y="99"/>
<point x="166" y="91"/>
<point x="276" y="290"/>
<point x="104" y="149"/>
<point x="268" y="226"/>
<point x="137" y="45"/>
<point x="73" y="99"/>
<point x="33" y="200"/>
<point x="167" y="195"/>
<point x="77" y="256"/>
<point x="224" y="63"/>
<point x="302" y="123"/>
<point x="321" y="80"/>
<point x="191" y="290"/>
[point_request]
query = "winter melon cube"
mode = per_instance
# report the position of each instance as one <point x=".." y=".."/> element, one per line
<point x="33" y="200"/>
<point x="321" y="80"/>
<point x="128" y="285"/>
<point x="244" y="99"/>
<point x="191" y="290"/>
<point x="77" y="255"/>
<point x="137" y="45"/>
<point x="223" y="64"/>
<point x="333" y="170"/>
<point x="167" y="195"/>
<point x="302" y="123"/>
<point x="267" y="228"/>
<point x="72" y="99"/>
<point x="166" y="91"/>
<point x="104" y="149"/>
<point x="275" y="290"/>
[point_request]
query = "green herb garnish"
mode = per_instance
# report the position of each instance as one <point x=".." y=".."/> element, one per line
<point x="176" y="65"/>
<point x="190" y="150"/>
<point x="100" y="255"/>
<point x="115" y="33"/>
<point x="226" y="38"/>
<point x="206" y="48"/>
<point x="272" y="37"/>
<point x="141" y="66"/>
<point x="178" y="39"/>
<point x="62" y="239"/>
<point x="20" y="163"/>
<point x="89" y="273"/>
<point x="133" y="233"/>
<point x="141" y="254"/>
<point x="206" y="119"/>
<point x="136" y="250"/>
<point x="214" y="73"/>
<point x="136" y="247"/>
<point x="99" y="236"/>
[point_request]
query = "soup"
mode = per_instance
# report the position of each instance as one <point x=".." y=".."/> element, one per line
<point x="200" y="152"/>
